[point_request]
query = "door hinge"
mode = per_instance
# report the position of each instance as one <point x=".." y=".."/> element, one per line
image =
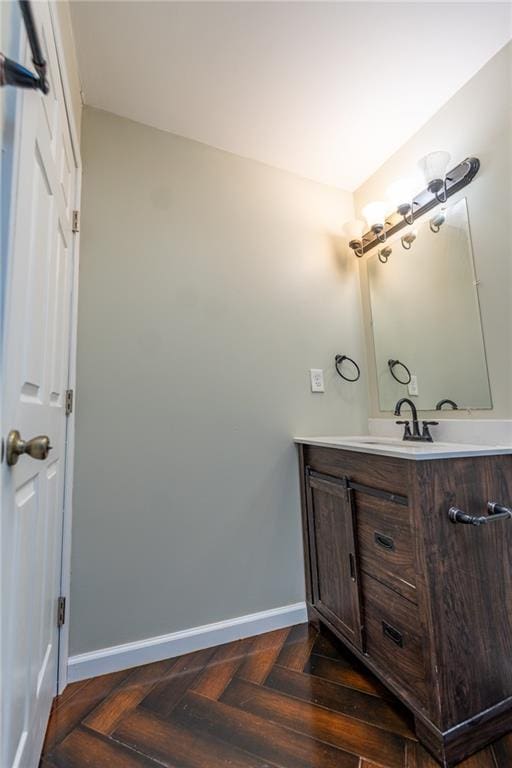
<point x="61" y="611"/>
<point x="75" y="221"/>
<point x="69" y="401"/>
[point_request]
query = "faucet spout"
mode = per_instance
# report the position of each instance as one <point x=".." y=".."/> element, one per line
<point x="403" y="401"/>
<point x="415" y="424"/>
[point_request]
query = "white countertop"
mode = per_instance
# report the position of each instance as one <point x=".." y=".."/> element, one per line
<point x="388" y="446"/>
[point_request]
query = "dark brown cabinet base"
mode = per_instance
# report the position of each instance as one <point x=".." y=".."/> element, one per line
<point x="425" y="603"/>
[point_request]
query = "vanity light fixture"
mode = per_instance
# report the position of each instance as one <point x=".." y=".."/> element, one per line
<point x="434" y="167"/>
<point x="375" y="215"/>
<point x="354" y="231"/>
<point x="401" y="194"/>
<point x="384" y="254"/>
<point x="384" y="222"/>
<point x="408" y="239"/>
<point x="437" y="221"/>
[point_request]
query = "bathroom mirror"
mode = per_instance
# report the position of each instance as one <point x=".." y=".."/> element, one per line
<point x="425" y="314"/>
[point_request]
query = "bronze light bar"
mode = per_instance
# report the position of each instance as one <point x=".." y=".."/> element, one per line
<point x="12" y="73"/>
<point x="458" y="178"/>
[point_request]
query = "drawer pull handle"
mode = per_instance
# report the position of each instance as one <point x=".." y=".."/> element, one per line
<point x="393" y="634"/>
<point x="386" y="542"/>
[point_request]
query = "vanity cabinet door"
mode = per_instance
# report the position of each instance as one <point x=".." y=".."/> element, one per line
<point x="334" y="567"/>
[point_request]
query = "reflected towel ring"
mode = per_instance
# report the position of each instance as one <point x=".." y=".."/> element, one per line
<point x="338" y="360"/>
<point x="392" y="364"/>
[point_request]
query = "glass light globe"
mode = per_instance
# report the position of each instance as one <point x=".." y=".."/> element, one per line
<point x="434" y="166"/>
<point x="401" y="192"/>
<point x="375" y="215"/>
<point x="354" y="230"/>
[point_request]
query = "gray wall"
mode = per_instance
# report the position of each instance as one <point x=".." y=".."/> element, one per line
<point x="209" y="285"/>
<point x="476" y="121"/>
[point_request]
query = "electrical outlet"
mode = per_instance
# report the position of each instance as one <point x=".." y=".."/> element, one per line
<point x="317" y="380"/>
<point x="413" y="386"/>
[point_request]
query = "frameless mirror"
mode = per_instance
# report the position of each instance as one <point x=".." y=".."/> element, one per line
<point x="426" y="315"/>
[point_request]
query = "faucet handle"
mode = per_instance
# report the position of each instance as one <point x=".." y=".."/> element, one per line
<point x="426" y="432"/>
<point x="407" y="428"/>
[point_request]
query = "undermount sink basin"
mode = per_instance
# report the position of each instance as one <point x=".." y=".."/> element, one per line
<point x="370" y="440"/>
<point x="390" y="443"/>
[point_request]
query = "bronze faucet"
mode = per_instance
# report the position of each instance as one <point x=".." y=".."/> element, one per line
<point x="421" y="437"/>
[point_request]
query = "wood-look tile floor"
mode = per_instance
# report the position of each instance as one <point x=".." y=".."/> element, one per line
<point x="288" y="699"/>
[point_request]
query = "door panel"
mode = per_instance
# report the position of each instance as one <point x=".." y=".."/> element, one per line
<point x="36" y="320"/>
<point x="40" y="217"/>
<point x="333" y="554"/>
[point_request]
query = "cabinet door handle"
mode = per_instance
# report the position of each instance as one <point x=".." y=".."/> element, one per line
<point x="393" y="634"/>
<point x="386" y="542"/>
<point x="496" y="512"/>
<point x="352" y="566"/>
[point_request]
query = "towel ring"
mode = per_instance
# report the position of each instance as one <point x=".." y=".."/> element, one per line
<point x="338" y="360"/>
<point x="392" y="364"/>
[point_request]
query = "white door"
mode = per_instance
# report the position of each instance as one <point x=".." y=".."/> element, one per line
<point x="36" y="335"/>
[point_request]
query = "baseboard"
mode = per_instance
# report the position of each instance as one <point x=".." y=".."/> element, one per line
<point x="151" y="649"/>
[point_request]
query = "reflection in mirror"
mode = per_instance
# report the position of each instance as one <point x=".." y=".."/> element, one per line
<point x="426" y="314"/>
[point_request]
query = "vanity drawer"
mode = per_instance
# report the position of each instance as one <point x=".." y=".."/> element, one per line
<point x="393" y="637"/>
<point x="386" y="549"/>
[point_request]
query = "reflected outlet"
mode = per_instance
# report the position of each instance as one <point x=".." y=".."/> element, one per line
<point x="413" y="385"/>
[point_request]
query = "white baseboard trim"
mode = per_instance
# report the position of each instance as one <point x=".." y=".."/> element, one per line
<point x="151" y="649"/>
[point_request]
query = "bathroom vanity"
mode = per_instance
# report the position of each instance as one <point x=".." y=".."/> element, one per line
<point x="424" y="602"/>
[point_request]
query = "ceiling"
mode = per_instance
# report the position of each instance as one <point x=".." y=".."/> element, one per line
<point x="326" y="90"/>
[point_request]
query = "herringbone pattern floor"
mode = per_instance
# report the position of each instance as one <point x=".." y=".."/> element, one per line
<point x="288" y="699"/>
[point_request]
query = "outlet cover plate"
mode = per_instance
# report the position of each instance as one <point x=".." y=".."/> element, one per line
<point x="317" y="380"/>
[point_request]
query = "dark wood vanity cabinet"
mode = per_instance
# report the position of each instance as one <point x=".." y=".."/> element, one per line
<point x="424" y="602"/>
